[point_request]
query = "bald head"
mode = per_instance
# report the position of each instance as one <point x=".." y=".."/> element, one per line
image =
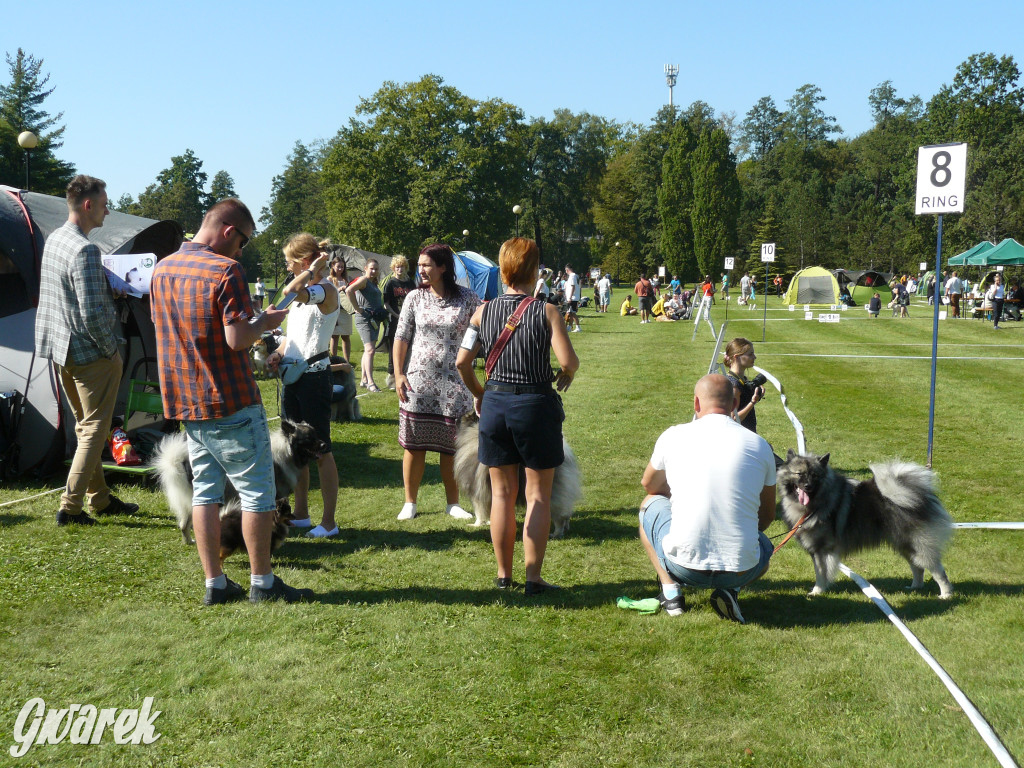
<point x="714" y="393"/>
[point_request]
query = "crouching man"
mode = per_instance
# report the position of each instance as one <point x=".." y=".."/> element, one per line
<point x="708" y="535"/>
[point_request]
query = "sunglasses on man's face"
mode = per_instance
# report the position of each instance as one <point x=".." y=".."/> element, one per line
<point x="245" y="237"/>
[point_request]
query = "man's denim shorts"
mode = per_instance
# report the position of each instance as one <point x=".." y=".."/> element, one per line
<point x="235" y="448"/>
<point x="656" y="519"/>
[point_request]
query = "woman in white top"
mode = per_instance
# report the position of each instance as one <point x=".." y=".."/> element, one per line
<point x="311" y="322"/>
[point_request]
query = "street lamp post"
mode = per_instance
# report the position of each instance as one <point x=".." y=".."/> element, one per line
<point x="28" y="141"/>
<point x="277" y="265"/>
<point x="517" y="209"/>
<point x="465" y="239"/>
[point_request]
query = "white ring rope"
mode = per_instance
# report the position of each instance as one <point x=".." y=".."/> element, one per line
<point x="999" y="750"/>
<point x="1003" y="526"/>
<point x="29" y="498"/>
<point x="801" y="446"/>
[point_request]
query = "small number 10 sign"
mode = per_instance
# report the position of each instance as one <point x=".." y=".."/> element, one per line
<point x="767" y="252"/>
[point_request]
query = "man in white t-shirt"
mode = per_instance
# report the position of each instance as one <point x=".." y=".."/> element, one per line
<point x="604" y="291"/>
<point x="954" y="289"/>
<point x="573" y="294"/>
<point x="745" y="288"/>
<point x="709" y="534"/>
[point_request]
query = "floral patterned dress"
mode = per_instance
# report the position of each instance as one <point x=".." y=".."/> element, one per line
<point x="433" y="328"/>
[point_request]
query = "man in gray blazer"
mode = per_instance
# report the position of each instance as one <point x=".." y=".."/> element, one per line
<point x="75" y="328"/>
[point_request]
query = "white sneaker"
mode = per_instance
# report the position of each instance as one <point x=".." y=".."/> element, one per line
<point x="305" y="522"/>
<point x="389" y="382"/>
<point x="576" y="329"/>
<point x="458" y="512"/>
<point x="322" y="533"/>
<point x="408" y="511"/>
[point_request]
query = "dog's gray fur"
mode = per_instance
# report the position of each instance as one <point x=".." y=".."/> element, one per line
<point x="474" y="480"/>
<point x="898" y="507"/>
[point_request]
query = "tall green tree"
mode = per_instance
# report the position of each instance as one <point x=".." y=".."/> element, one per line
<point x="222" y="186"/>
<point x="21" y="109"/>
<point x="178" y="194"/>
<point x="806" y="122"/>
<point x="716" y="200"/>
<point x="675" y="203"/>
<point x="404" y="171"/>
<point x="761" y="129"/>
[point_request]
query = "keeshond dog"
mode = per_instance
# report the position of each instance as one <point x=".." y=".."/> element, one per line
<point x="294" y="446"/>
<point x="898" y="507"/>
<point x="475" y="482"/>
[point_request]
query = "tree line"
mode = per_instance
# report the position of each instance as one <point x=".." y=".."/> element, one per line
<point x="421" y="161"/>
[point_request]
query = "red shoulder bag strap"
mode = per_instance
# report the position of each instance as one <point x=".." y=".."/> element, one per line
<point x="506" y="333"/>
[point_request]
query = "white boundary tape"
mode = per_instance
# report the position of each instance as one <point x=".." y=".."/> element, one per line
<point x="999" y="750"/>
<point x="1004" y="526"/>
<point x="800" y="445"/>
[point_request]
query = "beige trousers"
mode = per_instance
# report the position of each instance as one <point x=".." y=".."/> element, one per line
<point x="91" y="390"/>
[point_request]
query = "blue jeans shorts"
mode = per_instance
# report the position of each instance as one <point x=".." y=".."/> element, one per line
<point x="233" y="448"/>
<point x="656" y="519"/>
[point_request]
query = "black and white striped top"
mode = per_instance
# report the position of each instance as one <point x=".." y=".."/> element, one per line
<point x="527" y="356"/>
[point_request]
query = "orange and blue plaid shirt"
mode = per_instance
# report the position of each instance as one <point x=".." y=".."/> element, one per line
<point x="195" y="293"/>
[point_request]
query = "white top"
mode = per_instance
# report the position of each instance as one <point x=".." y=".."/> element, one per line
<point x="604" y="285"/>
<point x="716" y="469"/>
<point x="953" y="285"/>
<point x="744" y="282"/>
<point x="572" y="287"/>
<point x="541" y="289"/>
<point x="309" y="333"/>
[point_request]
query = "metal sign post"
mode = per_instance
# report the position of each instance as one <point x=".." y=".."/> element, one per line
<point x="941" y="176"/>
<point x="767" y="256"/>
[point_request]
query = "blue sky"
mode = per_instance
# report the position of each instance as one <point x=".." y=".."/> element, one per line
<point x="239" y="83"/>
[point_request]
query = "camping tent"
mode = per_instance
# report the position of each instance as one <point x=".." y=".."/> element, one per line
<point x="42" y="420"/>
<point x="1009" y="252"/>
<point x="356" y="258"/>
<point x="478" y="273"/>
<point x="867" y="277"/>
<point x="962" y="258"/>
<point x="815" y="286"/>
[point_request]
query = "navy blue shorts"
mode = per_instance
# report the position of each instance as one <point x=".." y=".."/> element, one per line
<point x="309" y="400"/>
<point x="521" y="429"/>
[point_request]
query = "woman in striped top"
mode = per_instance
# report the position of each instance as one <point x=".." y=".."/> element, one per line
<point x="520" y="412"/>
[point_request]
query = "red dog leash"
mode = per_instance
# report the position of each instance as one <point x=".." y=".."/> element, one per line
<point x="792" y="532"/>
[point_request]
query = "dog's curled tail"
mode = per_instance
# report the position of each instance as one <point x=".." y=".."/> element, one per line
<point x="171" y="461"/>
<point x="911" y="487"/>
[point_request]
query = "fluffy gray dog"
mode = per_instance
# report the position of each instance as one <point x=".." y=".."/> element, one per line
<point x="474" y="480"/>
<point x="898" y="507"/>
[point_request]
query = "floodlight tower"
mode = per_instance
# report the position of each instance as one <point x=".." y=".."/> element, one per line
<point x="671" y="72"/>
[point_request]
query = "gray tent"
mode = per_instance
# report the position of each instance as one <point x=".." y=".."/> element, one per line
<point x="34" y="419"/>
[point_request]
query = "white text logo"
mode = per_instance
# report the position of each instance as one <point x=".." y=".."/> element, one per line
<point x="82" y="724"/>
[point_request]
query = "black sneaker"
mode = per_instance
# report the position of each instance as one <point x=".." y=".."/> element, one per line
<point x="674" y="606"/>
<point x="231" y="592"/>
<point x="117" y="507"/>
<point x="279" y="591"/>
<point x="533" y="588"/>
<point x="64" y="518"/>
<point x="727" y="605"/>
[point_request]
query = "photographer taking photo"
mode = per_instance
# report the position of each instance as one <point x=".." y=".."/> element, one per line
<point x="739" y="357"/>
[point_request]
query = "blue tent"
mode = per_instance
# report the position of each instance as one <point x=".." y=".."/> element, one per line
<point x="478" y="273"/>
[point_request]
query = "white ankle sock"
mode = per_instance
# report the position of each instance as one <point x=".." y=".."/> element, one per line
<point x="670" y="591"/>
<point x="265" y="581"/>
<point x="218" y="583"/>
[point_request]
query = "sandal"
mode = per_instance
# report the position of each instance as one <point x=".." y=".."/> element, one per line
<point x="372" y="387"/>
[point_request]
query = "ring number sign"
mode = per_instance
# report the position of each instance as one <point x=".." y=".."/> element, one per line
<point x="767" y="252"/>
<point x="941" y="174"/>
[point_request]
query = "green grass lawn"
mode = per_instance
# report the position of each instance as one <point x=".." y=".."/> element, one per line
<point x="410" y="657"/>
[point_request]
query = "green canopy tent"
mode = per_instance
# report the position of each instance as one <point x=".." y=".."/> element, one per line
<point x="1008" y="253"/>
<point x="962" y="258"/>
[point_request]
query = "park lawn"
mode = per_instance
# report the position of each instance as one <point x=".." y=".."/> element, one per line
<point x="410" y="656"/>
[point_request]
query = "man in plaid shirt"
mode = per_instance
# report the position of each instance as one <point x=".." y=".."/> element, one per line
<point x="205" y="324"/>
<point x="75" y="328"/>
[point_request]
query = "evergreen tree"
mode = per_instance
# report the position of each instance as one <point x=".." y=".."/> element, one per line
<point x="21" y="109"/>
<point x="178" y="193"/>
<point x="675" y="203"/>
<point x="222" y="187"/>
<point x="716" y="199"/>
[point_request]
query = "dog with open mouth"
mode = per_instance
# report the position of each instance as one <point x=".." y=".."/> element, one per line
<point x="898" y="507"/>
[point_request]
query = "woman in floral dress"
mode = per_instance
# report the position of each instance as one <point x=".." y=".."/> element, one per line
<point x="431" y="394"/>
